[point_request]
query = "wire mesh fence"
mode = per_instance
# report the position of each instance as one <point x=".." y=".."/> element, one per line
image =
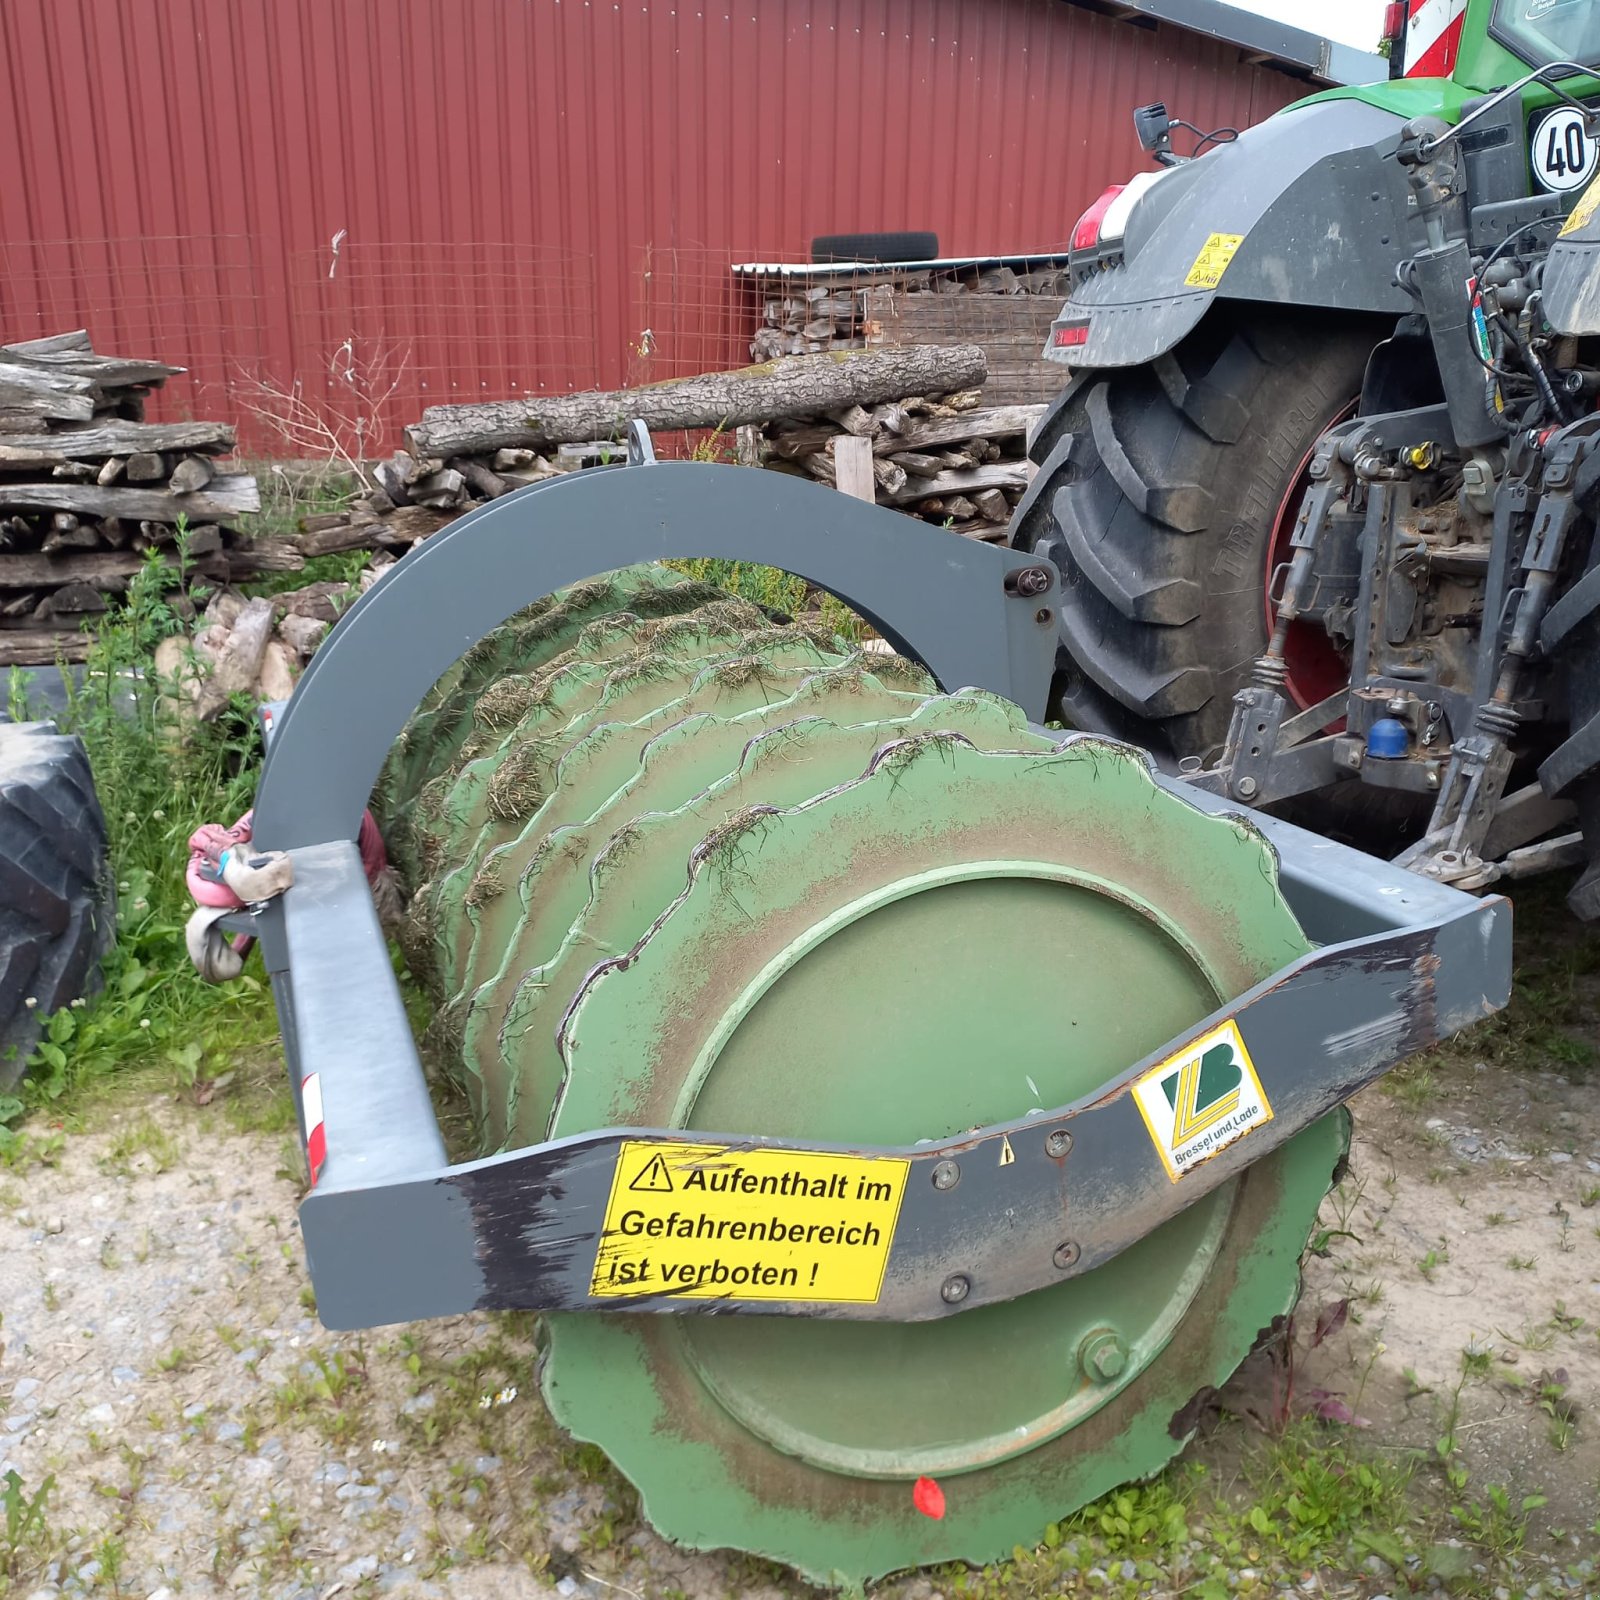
<point x="702" y="309"/>
<point x="332" y="352"/>
<point x="191" y="302"/>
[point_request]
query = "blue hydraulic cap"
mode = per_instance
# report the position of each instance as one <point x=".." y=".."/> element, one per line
<point x="1387" y="738"/>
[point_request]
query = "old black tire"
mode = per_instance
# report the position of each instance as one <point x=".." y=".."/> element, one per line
<point x="879" y="247"/>
<point x="57" y="913"/>
<point x="1158" y="491"/>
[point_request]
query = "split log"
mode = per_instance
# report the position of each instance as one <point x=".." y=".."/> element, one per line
<point x="1000" y="475"/>
<point x="69" y="535"/>
<point x="997" y="422"/>
<point x="803" y="441"/>
<point x="105" y="569"/>
<point x="221" y="499"/>
<point x="919" y="466"/>
<point x="26" y="400"/>
<point x="490" y="485"/>
<point x="324" y="602"/>
<point x="805" y="386"/>
<point x="112" y="438"/>
<point x="250" y="557"/>
<point x="190" y="474"/>
<point x="145" y="466"/>
<point x="51" y="344"/>
<point x="72" y="599"/>
<point x="303" y="634"/>
<point x="403" y="525"/>
<point x="275" y="680"/>
<point x="992" y="504"/>
<point x="239" y="661"/>
<point x="856" y="420"/>
<point x="852" y="460"/>
<point x="42" y="647"/>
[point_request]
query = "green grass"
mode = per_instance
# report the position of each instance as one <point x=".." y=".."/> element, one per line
<point x="775" y="590"/>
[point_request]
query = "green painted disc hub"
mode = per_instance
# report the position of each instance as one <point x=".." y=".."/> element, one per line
<point x="826" y="903"/>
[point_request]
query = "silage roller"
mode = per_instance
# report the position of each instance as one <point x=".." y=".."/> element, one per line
<point x="873" y="1086"/>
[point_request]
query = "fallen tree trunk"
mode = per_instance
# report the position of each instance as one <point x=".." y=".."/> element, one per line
<point x="803" y="386"/>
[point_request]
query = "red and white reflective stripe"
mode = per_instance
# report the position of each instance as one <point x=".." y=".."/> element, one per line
<point x="1433" y="37"/>
<point x="316" y="1138"/>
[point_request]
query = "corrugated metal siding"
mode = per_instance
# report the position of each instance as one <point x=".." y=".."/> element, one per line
<point x="521" y="188"/>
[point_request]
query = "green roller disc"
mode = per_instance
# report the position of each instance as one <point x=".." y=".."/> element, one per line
<point x="848" y="971"/>
<point x="759" y="888"/>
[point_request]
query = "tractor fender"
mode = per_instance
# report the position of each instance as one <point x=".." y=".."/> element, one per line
<point x="1571" y="280"/>
<point x="1305" y="209"/>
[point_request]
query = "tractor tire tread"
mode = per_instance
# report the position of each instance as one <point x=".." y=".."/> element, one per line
<point x="1156" y="498"/>
<point x="55" y="884"/>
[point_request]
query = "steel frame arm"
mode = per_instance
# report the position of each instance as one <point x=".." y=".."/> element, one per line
<point x="933" y="595"/>
<point x="394" y="1232"/>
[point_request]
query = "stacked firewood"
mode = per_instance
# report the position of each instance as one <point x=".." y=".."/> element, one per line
<point x="855" y="307"/>
<point x="951" y="460"/>
<point x="87" y="488"/>
<point x="407" y="497"/>
<point x="257" y="647"/>
<point x="937" y="451"/>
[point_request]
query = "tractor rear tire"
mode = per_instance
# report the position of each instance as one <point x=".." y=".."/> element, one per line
<point x="1159" y="493"/>
<point x="57" y="913"/>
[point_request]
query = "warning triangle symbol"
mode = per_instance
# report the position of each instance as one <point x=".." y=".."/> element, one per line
<point x="1007" y="1154"/>
<point x="657" y="1176"/>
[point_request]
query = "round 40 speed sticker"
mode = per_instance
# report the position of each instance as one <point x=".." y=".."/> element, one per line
<point x="1563" y="152"/>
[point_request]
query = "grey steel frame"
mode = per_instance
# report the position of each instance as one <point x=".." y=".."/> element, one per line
<point x="394" y="1232"/>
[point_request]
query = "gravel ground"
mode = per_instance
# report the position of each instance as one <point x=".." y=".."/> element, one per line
<point x="206" y="1436"/>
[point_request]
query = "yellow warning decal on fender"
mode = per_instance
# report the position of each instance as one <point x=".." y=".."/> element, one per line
<point x="1582" y="213"/>
<point x="1202" y="1099"/>
<point x="1212" y="262"/>
<point x="718" y="1222"/>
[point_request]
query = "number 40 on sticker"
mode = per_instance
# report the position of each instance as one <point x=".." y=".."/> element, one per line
<point x="1563" y="152"/>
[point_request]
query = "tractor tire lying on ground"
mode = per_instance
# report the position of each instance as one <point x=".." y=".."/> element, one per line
<point x="57" y="908"/>
<point x="675" y="867"/>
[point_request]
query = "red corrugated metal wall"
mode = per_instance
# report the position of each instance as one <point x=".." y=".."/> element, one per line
<point x="355" y="208"/>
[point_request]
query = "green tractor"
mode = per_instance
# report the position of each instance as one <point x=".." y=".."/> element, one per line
<point x="1360" y="253"/>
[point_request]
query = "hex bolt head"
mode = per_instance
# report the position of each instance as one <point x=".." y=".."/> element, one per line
<point x="955" y="1289"/>
<point x="1102" y="1355"/>
<point x="1066" y="1255"/>
<point x="1058" y="1143"/>
<point x="1247" y="788"/>
<point x="946" y="1174"/>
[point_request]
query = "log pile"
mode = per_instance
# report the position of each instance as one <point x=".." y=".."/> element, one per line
<point x="1006" y="310"/>
<point x="256" y="647"/>
<point x="937" y="452"/>
<point x="951" y="461"/>
<point x="87" y="487"/>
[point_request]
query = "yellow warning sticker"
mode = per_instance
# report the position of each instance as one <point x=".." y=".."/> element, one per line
<point x="1200" y="1100"/>
<point x="716" y="1222"/>
<point x="1583" y="212"/>
<point x="1212" y="262"/>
